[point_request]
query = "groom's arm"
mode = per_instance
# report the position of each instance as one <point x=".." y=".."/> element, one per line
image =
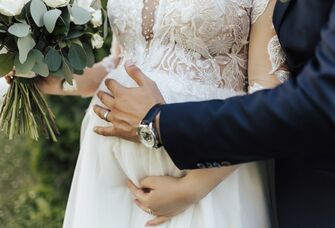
<point x="296" y="119"/>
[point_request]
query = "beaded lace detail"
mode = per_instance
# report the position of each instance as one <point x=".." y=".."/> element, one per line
<point x="201" y="40"/>
<point x="278" y="60"/>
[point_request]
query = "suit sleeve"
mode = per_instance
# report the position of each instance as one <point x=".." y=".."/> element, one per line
<point x="295" y="120"/>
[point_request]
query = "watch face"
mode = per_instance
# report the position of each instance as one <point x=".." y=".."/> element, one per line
<point x="147" y="136"/>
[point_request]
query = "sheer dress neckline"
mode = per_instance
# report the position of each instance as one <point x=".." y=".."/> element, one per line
<point x="148" y="18"/>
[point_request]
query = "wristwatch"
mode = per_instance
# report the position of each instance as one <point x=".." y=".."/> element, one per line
<point x="146" y="130"/>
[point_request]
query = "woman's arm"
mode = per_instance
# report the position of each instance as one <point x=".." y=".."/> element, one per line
<point x="266" y="64"/>
<point x="167" y="196"/>
<point x="86" y="84"/>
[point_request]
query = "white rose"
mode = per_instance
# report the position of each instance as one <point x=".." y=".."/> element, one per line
<point x="96" y="18"/>
<point x="97" y="41"/>
<point x="56" y="3"/>
<point x="12" y="8"/>
<point x="86" y="4"/>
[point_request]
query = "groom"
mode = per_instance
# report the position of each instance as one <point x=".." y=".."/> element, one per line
<point x="294" y="123"/>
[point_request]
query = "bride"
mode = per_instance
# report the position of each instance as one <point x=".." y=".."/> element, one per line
<point x="194" y="50"/>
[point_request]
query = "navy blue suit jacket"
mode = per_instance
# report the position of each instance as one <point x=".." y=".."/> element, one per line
<point x="294" y="123"/>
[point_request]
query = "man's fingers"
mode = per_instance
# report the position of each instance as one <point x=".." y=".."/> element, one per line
<point x="136" y="74"/>
<point x="157" y="221"/>
<point x="106" y="99"/>
<point x="113" y="86"/>
<point x="105" y="131"/>
<point x="137" y="192"/>
<point x="101" y="112"/>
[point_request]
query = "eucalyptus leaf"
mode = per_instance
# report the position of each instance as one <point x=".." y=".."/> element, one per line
<point x="27" y="66"/>
<point x="6" y="63"/>
<point x="25" y="45"/>
<point x="53" y="59"/>
<point x="40" y="67"/>
<point x="90" y="55"/>
<point x="50" y="18"/>
<point x="67" y="72"/>
<point x="74" y="34"/>
<point x="37" y="10"/>
<point x="63" y="24"/>
<point x="80" y="15"/>
<point x="77" y="57"/>
<point x="19" y="29"/>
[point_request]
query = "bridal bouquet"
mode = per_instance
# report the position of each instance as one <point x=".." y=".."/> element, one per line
<point x="40" y="38"/>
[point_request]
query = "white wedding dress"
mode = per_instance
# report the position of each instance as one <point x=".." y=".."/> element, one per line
<point x="194" y="50"/>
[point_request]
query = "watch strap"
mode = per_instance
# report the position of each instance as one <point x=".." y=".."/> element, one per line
<point x="151" y="115"/>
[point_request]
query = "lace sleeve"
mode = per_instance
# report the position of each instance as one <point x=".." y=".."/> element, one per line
<point x="267" y="62"/>
<point x="258" y="8"/>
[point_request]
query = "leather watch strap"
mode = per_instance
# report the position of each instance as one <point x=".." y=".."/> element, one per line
<point x="151" y="115"/>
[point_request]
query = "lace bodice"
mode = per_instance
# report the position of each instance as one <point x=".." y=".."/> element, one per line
<point x="202" y="40"/>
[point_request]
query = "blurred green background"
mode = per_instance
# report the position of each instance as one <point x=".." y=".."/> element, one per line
<point x="35" y="177"/>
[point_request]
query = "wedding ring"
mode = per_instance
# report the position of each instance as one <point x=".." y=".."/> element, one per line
<point x="106" y="115"/>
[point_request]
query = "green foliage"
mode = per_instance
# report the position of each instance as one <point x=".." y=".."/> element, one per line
<point x="36" y="176"/>
<point x="6" y="63"/>
<point x="25" y="45"/>
<point x="53" y="59"/>
<point x="27" y="66"/>
<point x="43" y="28"/>
<point x="19" y="29"/>
<point x="50" y="19"/>
<point x="77" y="57"/>
<point x="40" y="67"/>
<point x="37" y="10"/>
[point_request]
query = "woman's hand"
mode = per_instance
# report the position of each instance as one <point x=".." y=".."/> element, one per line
<point x="165" y="197"/>
<point x="48" y="85"/>
<point x="9" y="77"/>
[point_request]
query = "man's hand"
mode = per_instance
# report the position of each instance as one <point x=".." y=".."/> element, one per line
<point x="126" y="107"/>
<point x="165" y="196"/>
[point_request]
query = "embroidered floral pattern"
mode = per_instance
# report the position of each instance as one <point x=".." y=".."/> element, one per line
<point x="202" y="40"/>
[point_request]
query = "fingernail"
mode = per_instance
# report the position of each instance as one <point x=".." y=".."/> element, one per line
<point x="130" y="62"/>
<point x="99" y="94"/>
<point x="95" y="129"/>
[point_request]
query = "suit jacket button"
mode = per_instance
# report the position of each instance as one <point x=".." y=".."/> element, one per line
<point x="225" y="163"/>
<point x="217" y="165"/>
<point x="209" y="165"/>
<point x="201" y="166"/>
